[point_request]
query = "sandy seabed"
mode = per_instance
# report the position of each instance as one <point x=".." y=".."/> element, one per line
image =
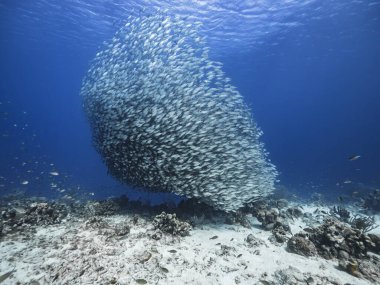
<point x="78" y="252"/>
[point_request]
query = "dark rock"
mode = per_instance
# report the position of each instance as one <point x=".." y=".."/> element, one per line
<point x="42" y="214"/>
<point x="294" y="212"/>
<point x="280" y="233"/>
<point x="256" y="207"/>
<point x="169" y="223"/>
<point x="253" y="241"/>
<point x="102" y="208"/>
<point x="302" y="246"/>
<point x="26" y="216"/>
<point x="342" y="254"/>
<point x="122" y="229"/>
<point x="238" y="218"/>
<point x="157" y="235"/>
<point x="269" y="227"/>
<point x="351" y="267"/>
<point x="367" y="268"/>
<point x="375" y="243"/>
<point x="12" y="214"/>
<point x="225" y="250"/>
<point x="282" y="203"/>
<point x="370" y="269"/>
<point x="333" y="236"/>
<point x="267" y="217"/>
<point x="96" y="223"/>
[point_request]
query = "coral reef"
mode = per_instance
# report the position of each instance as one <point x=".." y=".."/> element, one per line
<point x="293" y="212"/>
<point x="360" y="222"/>
<point x="337" y="240"/>
<point x="42" y="214"/>
<point x="368" y="269"/>
<point x="269" y="218"/>
<point x="238" y="218"/>
<point x="274" y="219"/>
<point x="363" y="223"/>
<point x="29" y="215"/>
<point x="281" y="233"/>
<point x="102" y="208"/>
<point x="165" y="118"/>
<point x="139" y="246"/>
<point x="301" y="245"/>
<point x="253" y="241"/>
<point x="340" y="213"/>
<point x="169" y="223"/>
<point x="334" y="236"/>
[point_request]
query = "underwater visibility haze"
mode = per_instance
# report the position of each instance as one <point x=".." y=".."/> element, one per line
<point x="190" y="142"/>
<point x="308" y="71"/>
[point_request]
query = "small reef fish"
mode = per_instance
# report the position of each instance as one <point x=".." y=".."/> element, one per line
<point x="223" y="150"/>
<point x="354" y="157"/>
<point x="26" y="182"/>
<point x="347" y="182"/>
<point x="54" y="173"/>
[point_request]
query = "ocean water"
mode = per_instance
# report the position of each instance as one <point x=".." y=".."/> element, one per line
<point x="310" y="71"/>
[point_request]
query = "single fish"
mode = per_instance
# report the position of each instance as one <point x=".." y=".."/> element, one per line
<point x="214" y="237"/>
<point x="354" y="157"/>
<point x="6" y="275"/>
<point x="172" y="251"/>
<point x="26" y="182"/>
<point x="54" y="173"/>
<point x="141" y="281"/>
<point x="347" y="182"/>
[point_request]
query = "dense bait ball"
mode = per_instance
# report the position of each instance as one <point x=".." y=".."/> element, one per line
<point x="165" y="117"/>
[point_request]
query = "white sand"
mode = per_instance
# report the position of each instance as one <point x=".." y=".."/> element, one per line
<point x="71" y="254"/>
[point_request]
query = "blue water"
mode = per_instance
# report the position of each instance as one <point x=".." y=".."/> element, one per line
<point x="310" y="70"/>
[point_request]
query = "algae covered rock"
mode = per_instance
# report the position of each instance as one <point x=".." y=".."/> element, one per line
<point x="302" y="246"/>
<point x="169" y="223"/>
